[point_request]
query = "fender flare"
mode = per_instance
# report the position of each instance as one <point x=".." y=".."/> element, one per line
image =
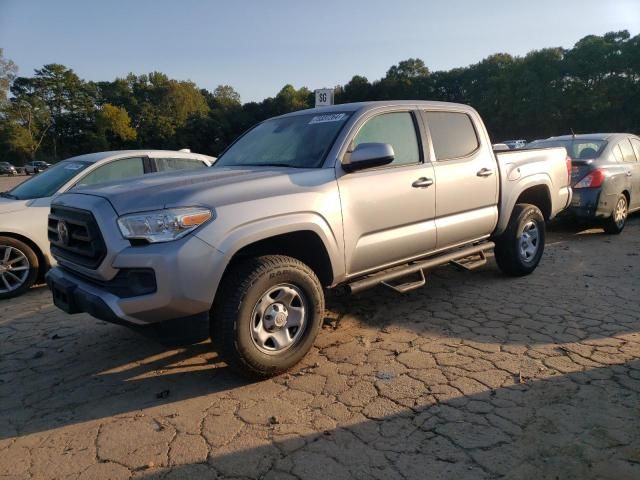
<point x="265" y="228"/>
<point x="516" y="189"/>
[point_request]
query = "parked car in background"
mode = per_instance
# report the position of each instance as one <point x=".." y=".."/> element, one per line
<point x="515" y="144"/>
<point x="357" y="195"/>
<point x="36" y="166"/>
<point x="7" y="169"/>
<point x="605" y="176"/>
<point x="24" y="247"/>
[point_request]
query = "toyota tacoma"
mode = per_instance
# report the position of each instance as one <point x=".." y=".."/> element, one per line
<point x="353" y="195"/>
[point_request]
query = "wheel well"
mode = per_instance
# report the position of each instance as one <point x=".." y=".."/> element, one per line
<point x="626" y="194"/>
<point x="538" y="196"/>
<point x="42" y="260"/>
<point x="304" y="245"/>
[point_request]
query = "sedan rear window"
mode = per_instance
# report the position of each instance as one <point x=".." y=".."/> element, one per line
<point x="577" y="149"/>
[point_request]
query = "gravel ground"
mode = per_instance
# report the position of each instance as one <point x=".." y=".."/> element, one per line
<point x="474" y="376"/>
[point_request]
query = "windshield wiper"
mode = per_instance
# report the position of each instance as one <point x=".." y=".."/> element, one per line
<point x="8" y="195"/>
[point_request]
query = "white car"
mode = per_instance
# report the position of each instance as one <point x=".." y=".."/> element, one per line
<point x="24" y="244"/>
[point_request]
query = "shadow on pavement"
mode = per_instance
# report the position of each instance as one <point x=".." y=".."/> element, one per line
<point x="76" y="369"/>
<point x="574" y="426"/>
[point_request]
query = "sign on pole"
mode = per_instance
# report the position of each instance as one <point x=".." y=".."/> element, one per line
<point x="324" y="97"/>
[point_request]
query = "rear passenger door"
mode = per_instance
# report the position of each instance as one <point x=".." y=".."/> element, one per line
<point x="466" y="178"/>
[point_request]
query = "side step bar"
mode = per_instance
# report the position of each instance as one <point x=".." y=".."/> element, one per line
<point x="387" y="276"/>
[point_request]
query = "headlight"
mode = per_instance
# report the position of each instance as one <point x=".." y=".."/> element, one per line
<point x="162" y="225"/>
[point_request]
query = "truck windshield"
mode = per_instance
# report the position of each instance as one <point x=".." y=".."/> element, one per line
<point x="47" y="183"/>
<point x="577" y="149"/>
<point x="299" y="141"/>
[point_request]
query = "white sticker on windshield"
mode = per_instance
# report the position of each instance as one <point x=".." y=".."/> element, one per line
<point x="73" y="166"/>
<point x="335" y="117"/>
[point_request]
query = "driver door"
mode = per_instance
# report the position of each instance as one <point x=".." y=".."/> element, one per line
<point x="388" y="212"/>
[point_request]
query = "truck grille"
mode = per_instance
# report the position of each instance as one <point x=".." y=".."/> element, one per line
<point x="75" y="236"/>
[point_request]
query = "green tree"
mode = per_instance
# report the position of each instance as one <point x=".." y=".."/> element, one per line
<point x="226" y="97"/>
<point x="27" y="122"/>
<point x="70" y="103"/>
<point x="113" y="125"/>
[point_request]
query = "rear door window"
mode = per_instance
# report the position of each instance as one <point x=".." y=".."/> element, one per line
<point x="452" y="134"/>
<point x="172" y="164"/>
<point x="627" y="151"/>
<point x="113" y="171"/>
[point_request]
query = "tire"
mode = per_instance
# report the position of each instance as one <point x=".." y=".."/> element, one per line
<point x="259" y="300"/>
<point x="18" y="269"/>
<point x="618" y="219"/>
<point x="513" y="255"/>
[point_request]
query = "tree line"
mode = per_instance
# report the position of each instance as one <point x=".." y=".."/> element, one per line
<point x="54" y="114"/>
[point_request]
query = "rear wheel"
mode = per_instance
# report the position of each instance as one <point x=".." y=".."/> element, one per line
<point x="267" y="314"/>
<point x="18" y="267"/>
<point x="616" y="222"/>
<point x="519" y="249"/>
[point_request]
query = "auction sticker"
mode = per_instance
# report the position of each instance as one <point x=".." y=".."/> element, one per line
<point x="335" y="117"/>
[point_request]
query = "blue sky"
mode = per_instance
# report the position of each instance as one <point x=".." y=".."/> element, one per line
<point x="259" y="46"/>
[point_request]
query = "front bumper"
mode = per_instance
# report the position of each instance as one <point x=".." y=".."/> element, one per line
<point x="187" y="273"/>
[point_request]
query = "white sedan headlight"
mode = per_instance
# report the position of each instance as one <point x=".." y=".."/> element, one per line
<point x="162" y="225"/>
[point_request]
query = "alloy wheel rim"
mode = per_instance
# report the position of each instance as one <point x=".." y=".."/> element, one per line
<point x="279" y="319"/>
<point x="14" y="268"/>
<point x="529" y="241"/>
<point x="620" y="214"/>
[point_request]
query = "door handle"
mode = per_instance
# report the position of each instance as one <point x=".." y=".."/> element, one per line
<point x="485" y="172"/>
<point x="422" y="182"/>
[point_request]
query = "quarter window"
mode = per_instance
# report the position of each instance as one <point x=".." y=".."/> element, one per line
<point x="452" y="134"/>
<point x="627" y="151"/>
<point x="116" y="170"/>
<point x="398" y="130"/>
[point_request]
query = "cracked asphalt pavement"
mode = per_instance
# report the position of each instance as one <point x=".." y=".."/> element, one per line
<point x="477" y="375"/>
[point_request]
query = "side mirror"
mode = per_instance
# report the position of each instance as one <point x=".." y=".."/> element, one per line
<point x="368" y="155"/>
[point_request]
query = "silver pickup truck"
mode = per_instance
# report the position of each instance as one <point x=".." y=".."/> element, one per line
<point x="353" y="195"/>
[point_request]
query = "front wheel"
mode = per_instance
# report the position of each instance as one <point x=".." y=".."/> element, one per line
<point x="519" y="249"/>
<point x="18" y="267"/>
<point x="616" y="222"/>
<point x="267" y="314"/>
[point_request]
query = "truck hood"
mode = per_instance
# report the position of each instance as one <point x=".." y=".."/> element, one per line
<point x="209" y="187"/>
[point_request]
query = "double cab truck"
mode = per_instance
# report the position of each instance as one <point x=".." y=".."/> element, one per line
<point x="352" y="195"/>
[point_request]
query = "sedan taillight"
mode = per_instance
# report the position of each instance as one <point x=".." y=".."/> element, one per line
<point x="592" y="180"/>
